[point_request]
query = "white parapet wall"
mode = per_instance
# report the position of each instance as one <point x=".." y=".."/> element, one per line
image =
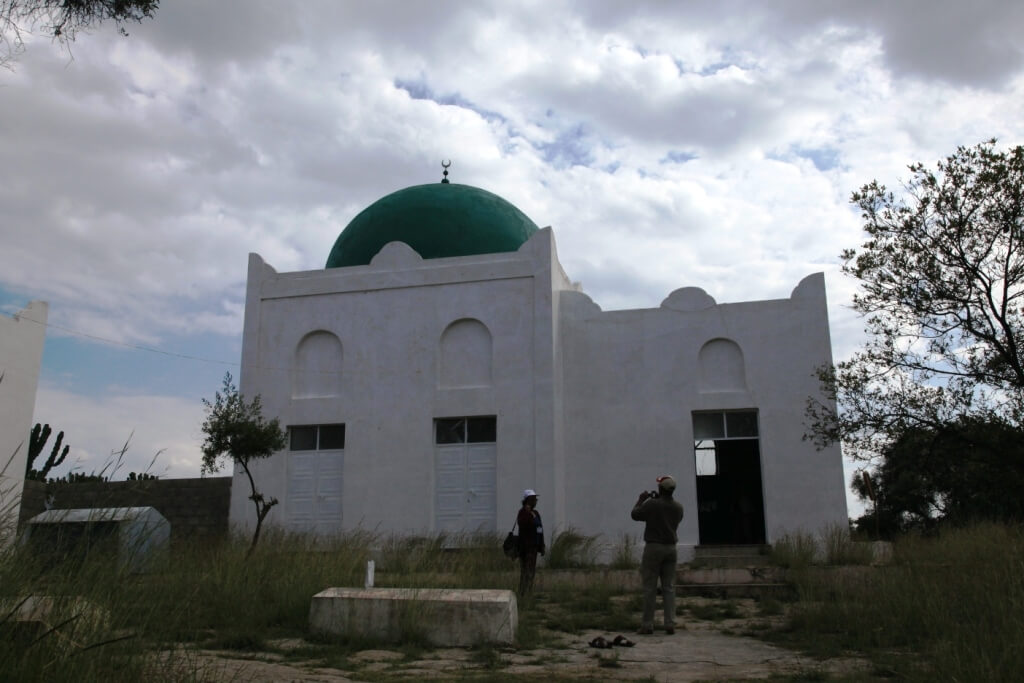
<point x="444" y="617"/>
<point x="21" y="352"/>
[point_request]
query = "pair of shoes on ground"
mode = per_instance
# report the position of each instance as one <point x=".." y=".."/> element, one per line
<point x="647" y="630"/>
<point x="602" y="642"/>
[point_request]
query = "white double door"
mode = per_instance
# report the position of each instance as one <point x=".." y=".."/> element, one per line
<point x="314" y="491"/>
<point x="465" y="499"/>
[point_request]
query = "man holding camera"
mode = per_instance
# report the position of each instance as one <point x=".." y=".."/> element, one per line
<point x="661" y="515"/>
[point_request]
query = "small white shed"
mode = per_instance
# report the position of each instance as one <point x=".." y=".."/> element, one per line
<point x="138" y="534"/>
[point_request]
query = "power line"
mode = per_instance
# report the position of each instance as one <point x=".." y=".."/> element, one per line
<point x="137" y="347"/>
<point x="173" y="354"/>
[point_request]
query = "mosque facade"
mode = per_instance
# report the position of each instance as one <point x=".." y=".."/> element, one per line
<point x="442" y="362"/>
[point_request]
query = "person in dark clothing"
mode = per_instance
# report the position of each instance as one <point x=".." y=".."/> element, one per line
<point x="661" y="515"/>
<point x="531" y="540"/>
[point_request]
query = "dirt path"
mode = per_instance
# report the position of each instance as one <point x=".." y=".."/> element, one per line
<point x="700" y="652"/>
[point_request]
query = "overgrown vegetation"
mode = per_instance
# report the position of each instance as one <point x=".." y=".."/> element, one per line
<point x="795" y="550"/>
<point x="571" y="549"/>
<point x="832" y="545"/>
<point x="948" y="607"/>
<point x="626" y="553"/>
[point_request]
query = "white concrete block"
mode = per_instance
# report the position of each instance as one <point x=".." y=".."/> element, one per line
<point x="444" y="617"/>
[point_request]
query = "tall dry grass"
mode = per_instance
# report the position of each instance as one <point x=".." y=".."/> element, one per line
<point x="208" y="595"/>
<point x="948" y="608"/>
<point x="571" y="549"/>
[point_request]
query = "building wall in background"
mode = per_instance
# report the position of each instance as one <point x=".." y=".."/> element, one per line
<point x="197" y="509"/>
<point x="21" y="353"/>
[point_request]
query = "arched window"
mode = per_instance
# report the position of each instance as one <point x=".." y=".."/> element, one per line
<point x="721" y="366"/>
<point x="316" y="368"/>
<point x="465" y="355"/>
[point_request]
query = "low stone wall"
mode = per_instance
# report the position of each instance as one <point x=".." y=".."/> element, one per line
<point x="197" y="509"/>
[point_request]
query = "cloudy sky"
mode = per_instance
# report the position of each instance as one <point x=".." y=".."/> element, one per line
<point x="668" y="144"/>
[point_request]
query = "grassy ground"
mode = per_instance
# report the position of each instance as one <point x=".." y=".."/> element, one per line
<point x="948" y="608"/>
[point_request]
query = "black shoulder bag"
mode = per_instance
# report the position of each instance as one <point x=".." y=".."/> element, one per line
<point x="511" y="545"/>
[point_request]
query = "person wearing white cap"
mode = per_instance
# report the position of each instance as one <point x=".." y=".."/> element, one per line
<point x="661" y="515"/>
<point x="531" y="541"/>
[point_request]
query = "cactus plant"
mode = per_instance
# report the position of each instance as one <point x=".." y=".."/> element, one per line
<point x="36" y="442"/>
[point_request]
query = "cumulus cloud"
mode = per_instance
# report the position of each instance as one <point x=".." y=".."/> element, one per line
<point x="668" y="144"/>
<point x="124" y="432"/>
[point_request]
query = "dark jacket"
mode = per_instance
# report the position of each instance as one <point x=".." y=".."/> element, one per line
<point x="662" y="515"/>
<point x="531" y="531"/>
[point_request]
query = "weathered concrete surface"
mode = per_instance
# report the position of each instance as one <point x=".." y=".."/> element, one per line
<point x="445" y="617"/>
<point x="34" y="616"/>
<point x="686" y="657"/>
<point x="731" y="575"/>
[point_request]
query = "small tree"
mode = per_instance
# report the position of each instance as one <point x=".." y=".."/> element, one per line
<point x="956" y="473"/>
<point x="236" y="429"/>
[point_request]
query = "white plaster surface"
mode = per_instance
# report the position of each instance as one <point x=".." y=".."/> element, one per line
<point x="21" y="352"/>
<point x="446" y="617"/>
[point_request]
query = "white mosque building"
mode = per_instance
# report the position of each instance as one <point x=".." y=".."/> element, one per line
<point x="442" y="362"/>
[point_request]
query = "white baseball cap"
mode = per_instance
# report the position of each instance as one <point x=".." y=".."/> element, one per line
<point x="529" y="493"/>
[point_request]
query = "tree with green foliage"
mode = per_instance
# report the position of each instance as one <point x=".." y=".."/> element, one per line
<point x="958" y="473"/>
<point x="942" y="289"/>
<point x="63" y="19"/>
<point x="236" y="429"/>
<point x="36" y="442"/>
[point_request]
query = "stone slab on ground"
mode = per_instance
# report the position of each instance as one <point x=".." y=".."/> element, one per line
<point x="444" y="617"/>
<point x="33" y="616"/>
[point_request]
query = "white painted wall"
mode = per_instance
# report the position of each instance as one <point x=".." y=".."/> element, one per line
<point x="21" y="352"/>
<point x="633" y="380"/>
<point x="591" y="405"/>
<point x="389" y="317"/>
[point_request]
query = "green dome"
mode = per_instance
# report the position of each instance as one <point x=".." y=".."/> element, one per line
<point x="437" y="220"/>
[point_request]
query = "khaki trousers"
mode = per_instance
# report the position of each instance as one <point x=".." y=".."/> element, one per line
<point x="659" y="563"/>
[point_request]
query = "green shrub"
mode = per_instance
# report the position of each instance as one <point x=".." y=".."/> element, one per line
<point x="840" y="547"/>
<point x="569" y="549"/>
<point x="795" y="550"/>
<point x="624" y="555"/>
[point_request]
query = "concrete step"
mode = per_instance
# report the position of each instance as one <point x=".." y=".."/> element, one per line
<point x="732" y="572"/>
<point x="758" y="590"/>
<point x="731" y="556"/>
<point x="729" y="575"/>
<point x="724" y="550"/>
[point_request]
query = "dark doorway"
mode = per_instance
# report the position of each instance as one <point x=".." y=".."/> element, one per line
<point x="730" y="504"/>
